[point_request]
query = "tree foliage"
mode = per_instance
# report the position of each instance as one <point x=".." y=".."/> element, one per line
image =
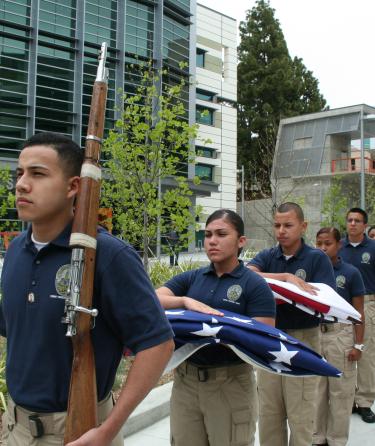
<point x="343" y="194"/>
<point x="149" y="144"/>
<point x="271" y="86"/>
<point x="7" y="199"/>
<point x="335" y="205"/>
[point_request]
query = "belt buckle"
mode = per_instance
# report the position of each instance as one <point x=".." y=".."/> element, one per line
<point x="202" y="375"/>
<point x="36" y="426"/>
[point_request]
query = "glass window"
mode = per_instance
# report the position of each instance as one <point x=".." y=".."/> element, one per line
<point x="302" y="143"/>
<point x="175" y="43"/>
<point x="204" y="172"/>
<point x="206" y="152"/>
<point x="205" y="95"/>
<point x="201" y="56"/>
<point x="204" y="115"/>
<point x="139" y="29"/>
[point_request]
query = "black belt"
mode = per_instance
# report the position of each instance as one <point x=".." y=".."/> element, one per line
<point x="203" y="374"/>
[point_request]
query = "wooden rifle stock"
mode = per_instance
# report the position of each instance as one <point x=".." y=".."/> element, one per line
<point x="82" y="403"/>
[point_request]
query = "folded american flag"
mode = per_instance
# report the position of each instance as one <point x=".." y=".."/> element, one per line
<point x="254" y="342"/>
<point x="327" y="304"/>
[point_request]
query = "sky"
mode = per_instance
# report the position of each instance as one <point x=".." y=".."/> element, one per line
<point x="334" y="38"/>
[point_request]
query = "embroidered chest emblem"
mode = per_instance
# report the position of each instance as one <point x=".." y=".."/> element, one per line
<point x="301" y="273"/>
<point x="340" y="281"/>
<point x="62" y="279"/>
<point x="234" y="292"/>
<point x="366" y="256"/>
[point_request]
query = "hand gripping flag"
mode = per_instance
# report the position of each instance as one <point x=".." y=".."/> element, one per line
<point x="254" y="342"/>
<point x="326" y="304"/>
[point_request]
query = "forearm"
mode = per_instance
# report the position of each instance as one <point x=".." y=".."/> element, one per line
<point x="277" y="276"/>
<point x="145" y="372"/>
<point x="359" y="333"/>
<point x="359" y="329"/>
<point x="169" y="302"/>
<point x="266" y="320"/>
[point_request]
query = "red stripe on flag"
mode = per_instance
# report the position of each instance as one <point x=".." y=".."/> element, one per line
<point x="318" y="306"/>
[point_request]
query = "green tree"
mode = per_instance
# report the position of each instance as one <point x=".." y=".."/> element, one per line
<point x="343" y="194"/>
<point x="271" y="86"/>
<point x="335" y="205"/>
<point x="7" y="199"/>
<point x="149" y="144"/>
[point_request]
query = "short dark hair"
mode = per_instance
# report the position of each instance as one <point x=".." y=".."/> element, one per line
<point x="232" y="217"/>
<point x="358" y="211"/>
<point x="370" y="229"/>
<point x="291" y="206"/>
<point x="330" y="230"/>
<point x="67" y="150"/>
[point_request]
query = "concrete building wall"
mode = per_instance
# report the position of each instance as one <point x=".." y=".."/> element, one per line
<point x="217" y="36"/>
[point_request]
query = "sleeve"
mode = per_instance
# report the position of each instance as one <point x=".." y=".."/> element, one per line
<point x="2" y="319"/>
<point x="323" y="270"/>
<point x="260" y="260"/>
<point x="180" y="284"/>
<point x="2" y="322"/>
<point x="357" y="287"/>
<point x="260" y="300"/>
<point x="129" y="304"/>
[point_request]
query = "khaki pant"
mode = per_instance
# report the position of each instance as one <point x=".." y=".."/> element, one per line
<point x="365" y="394"/>
<point x="287" y="399"/>
<point x="17" y="433"/>
<point x="213" y="407"/>
<point x="336" y="395"/>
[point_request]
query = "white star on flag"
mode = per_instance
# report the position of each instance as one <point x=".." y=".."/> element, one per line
<point x="284" y="355"/>
<point x="279" y="367"/>
<point x="238" y="319"/>
<point x="168" y="312"/>
<point x="207" y="330"/>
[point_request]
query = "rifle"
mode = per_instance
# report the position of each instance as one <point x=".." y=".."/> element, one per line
<point x="79" y="314"/>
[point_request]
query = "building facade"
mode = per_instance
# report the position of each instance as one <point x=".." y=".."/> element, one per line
<point x="216" y="95"/>
<point x="48" y="61"/>
<point x="311" y="151"/>
<point x="49" y="51"/>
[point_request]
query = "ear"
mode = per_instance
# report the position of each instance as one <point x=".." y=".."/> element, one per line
<point x="73" y="186"/>
<point x="304" y="227"/>
<point x="242" y="241"/>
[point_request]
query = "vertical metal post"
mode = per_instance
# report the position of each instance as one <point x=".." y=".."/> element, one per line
<point x="362" y="175"/>
<point x="243" y="192"/>
<point x="158" y="65"/>
<point x="78" y="72"/>
<point x="32" y="68"/>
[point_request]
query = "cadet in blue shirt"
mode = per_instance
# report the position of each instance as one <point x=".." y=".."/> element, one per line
<point x="359" y="250"/>
<point x="36" y="266"/>
<point x="341" y="346"/>
<point x="285" y="399"/>
<point x="214" y="393"/>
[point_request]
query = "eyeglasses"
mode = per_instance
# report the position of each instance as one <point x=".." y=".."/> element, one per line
<point x="354" y="220"/>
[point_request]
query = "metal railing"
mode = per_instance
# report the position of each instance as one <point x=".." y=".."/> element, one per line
<point x="343" y="165"/>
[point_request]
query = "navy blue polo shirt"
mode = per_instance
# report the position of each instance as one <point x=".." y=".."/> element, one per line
<point x="363" y="258"/>
<point x="241" y="291"/>
<point x="349" y="282"/>
<point x="39" y="355"/>
<point x="310" y="264"/>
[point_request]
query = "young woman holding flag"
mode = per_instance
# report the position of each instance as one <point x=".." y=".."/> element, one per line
<point x="214" y="401"/>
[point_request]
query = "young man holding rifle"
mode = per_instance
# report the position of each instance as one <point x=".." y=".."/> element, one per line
<point x="36" y="269"/>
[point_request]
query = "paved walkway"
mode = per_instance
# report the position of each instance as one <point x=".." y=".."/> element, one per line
<point x="361" y="434"/>
<point x="149" y="425"/>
